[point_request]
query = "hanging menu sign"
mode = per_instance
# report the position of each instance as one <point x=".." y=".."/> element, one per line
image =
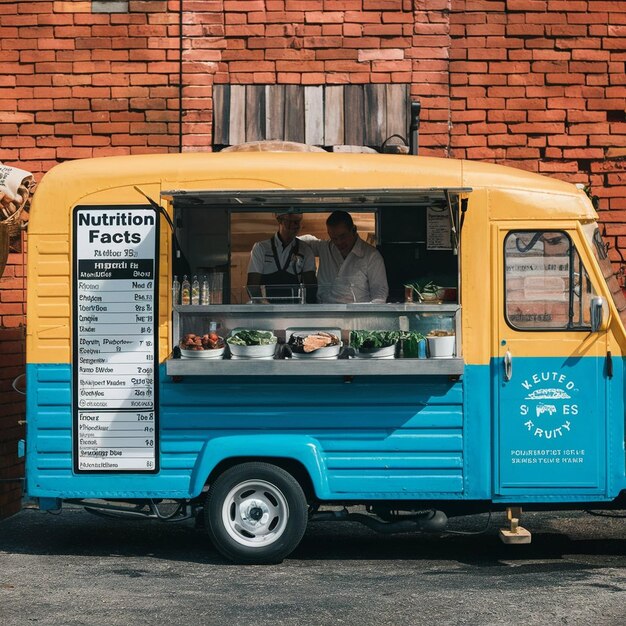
<point x="115" y="339"/>
<point x="438" y="229"/>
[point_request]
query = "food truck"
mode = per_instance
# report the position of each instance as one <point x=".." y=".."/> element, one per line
<point x="148" y="402"/>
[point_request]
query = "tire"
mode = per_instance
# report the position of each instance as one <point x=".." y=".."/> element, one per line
<point x="255" y="513"/>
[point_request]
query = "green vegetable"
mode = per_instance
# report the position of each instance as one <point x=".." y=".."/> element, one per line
<point x="252" y="338"/>
<point x="430" y="291"/>
<point x="410" y="341"/>
<point x="373" y="339"/>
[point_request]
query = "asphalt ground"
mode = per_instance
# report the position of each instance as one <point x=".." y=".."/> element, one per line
<point x="76" y="568"/>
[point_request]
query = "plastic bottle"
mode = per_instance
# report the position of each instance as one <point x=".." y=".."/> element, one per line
<point x="204" y="291"/>
<point x="185" y="291"/>
<point x="176" y="291"/>
<point x="212" y="327"/>
<point x="195" y="291"/>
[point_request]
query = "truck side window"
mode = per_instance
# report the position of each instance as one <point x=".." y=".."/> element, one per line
<point x="546" y="284"/>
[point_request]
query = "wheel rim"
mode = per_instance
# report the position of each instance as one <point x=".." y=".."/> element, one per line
<point x="255" y="513"/>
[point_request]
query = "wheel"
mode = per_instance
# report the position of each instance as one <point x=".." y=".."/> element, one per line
<point x="255" y="513"/>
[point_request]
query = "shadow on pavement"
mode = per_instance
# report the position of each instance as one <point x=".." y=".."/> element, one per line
<point x="77" y="533"/>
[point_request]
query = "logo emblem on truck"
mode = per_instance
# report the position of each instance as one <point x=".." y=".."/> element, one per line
<point x="550" y="420"/>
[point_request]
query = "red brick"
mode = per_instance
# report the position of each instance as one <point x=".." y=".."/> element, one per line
<point x="360" y="17"/>
<point x="12" y="321"/>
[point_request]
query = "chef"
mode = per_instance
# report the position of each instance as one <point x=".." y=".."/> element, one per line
<point x="350" y="270"/>
<point x="282" y="263"/>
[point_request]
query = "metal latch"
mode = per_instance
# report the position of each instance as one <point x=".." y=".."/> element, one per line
<point x="508" y="366"/>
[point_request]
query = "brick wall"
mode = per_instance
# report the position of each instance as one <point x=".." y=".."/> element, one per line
<point x="12" y="360"/>
<point x="541" y="85"/>
<point x="538" y="84"/>
<point x="77" y="84"/>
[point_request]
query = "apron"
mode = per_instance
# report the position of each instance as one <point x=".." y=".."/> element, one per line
<point x="278" y="283"/>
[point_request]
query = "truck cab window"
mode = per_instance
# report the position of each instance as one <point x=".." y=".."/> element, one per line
<point x="546" y="284"/>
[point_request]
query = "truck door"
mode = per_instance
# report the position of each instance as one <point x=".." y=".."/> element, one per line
<point x="551" y="422"/>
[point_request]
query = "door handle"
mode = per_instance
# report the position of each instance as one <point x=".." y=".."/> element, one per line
<point x="508" y="366"/>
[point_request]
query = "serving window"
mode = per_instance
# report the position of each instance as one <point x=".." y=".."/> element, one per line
<point x="415" y="231"/>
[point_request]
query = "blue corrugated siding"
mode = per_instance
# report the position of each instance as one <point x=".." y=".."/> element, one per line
<point x="391" y="438"/>
<point x="376" y="438"/>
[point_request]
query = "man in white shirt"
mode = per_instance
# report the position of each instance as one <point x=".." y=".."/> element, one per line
<point x="350" y="270"/>
<point x="282" y="264"/>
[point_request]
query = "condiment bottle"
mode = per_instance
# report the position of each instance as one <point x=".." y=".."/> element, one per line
<point x="204" y="291"/>
<point x="195" y="291"/>
<point x="185" y="291"/>
<point x="176" y="291"/>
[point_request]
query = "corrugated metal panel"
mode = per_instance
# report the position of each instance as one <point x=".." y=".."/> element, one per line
<point x="401" y="437"/>
<point x="392" y="439"/>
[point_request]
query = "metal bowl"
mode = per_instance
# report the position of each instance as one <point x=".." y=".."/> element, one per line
<point x="388" y="352"/>
<point x="252" y="352"/>
<point x="329" y="352"/>
<point x="215" y="353"/>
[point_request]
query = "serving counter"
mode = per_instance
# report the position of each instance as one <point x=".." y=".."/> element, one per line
<point x="282" y="319"/>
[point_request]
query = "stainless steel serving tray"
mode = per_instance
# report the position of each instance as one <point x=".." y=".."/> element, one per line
<point x="315" y="367"/>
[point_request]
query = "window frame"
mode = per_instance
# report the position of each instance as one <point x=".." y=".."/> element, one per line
<point x="571" y="296"/>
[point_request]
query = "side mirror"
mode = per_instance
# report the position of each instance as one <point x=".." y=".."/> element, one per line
<point x="596" y="307"/>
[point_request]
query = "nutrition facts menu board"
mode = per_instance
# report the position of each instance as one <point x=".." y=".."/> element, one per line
<point x="115" y="339"/>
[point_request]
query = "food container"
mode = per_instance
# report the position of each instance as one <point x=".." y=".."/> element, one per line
<point x="449" y="294"/>
<point x="441" y="347"/>
<point x="327" y="352"/>
<point x="252" y="352"/>
<point x="206" y="346"/>
<point x="431" y="297"/>
<point x="216" y="353"/>
<point x="374" y="344"/>
<point x="265" y="351"/>
<point x="388" y="352"/>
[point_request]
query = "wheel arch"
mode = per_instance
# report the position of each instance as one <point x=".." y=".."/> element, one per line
<point x="298" y="455"/>
<point x="292" y="466"/>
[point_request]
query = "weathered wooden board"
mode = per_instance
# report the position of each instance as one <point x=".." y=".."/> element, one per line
<point x="354" y="115"/>
<point x="237" y="122"/>
<point x="333" y="115"/>
<point x="294" y="113"/>
<point x="375" y="112"/>
<point x="255" y="112"/>
<point x="275" y="112"/>
<point x="314" y="115"/>
<point x="397" y="106"/>
<point x="221" y="115"/>
<point x="322" y="115"/>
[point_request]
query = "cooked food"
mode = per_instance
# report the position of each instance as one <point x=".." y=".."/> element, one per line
<point x="301" y="342"/>
<point x="208" y="341"/>
<point x="441" y="333"/>
<point x="367" y="340"/>
<point x="252" y="338"/>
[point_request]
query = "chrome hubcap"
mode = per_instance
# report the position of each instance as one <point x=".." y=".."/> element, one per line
<point x="255" y="513"/>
